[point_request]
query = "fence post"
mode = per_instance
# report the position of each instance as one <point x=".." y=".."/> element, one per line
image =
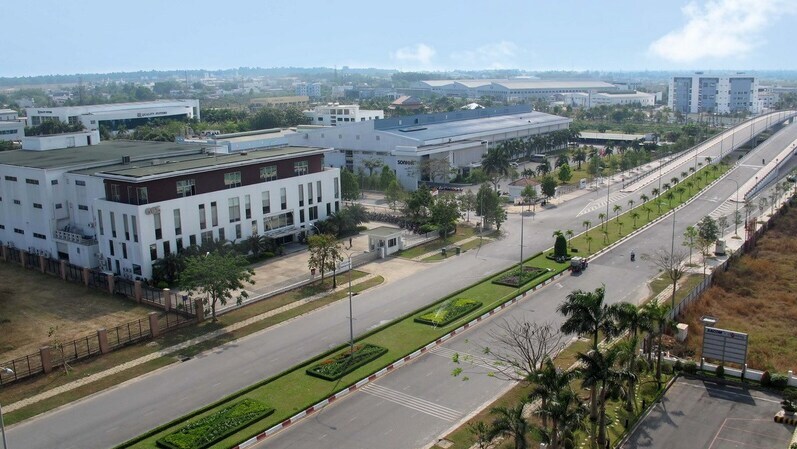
<point x="45" y="356"/>
<point x="85" y="276"/>
<point x="42" y="264"/>
<point x="137" y="293"/>
<point x="102" y="337"/>
<point x="199" y="308"/>
<point x="167" y="299"/>
<point x="154" y="329"/>
<point x="23" y="258"/>
<point x="111" y="284"/>
<point x="5" y="253"/>
<point x="63" y="269"/>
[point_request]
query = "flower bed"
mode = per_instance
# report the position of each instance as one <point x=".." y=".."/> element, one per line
<point x="447" y="312"/>
<point x="342" y="364"/>
<point x="512" y="279"/>
<point x="213" y="428"/>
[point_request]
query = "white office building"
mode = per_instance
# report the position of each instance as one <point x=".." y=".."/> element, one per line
<point x="460" y="138"/>
<point x="333" y="114"/>
<point x="590" y="100"/>
<point x="312" y="90"/>
<point x="508" y="89"/>
<point x="112" y="116"/>
<point x="11" y="127"/>
<point x="714" y="94"/>
<point x="121" y="205"/>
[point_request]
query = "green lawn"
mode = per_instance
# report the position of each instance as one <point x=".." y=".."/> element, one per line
<point x="463" y="232"/>
<point x="467" y="246"/>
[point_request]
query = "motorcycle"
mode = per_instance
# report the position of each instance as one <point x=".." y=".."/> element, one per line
<point x="633" y="256"/>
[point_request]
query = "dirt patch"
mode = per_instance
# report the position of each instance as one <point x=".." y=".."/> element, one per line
<point x="757" y="295"/>
<point x="31" y="303"/>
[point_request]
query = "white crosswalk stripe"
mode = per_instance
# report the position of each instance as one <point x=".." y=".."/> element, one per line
<point x="728" y="209"/>
<point x="412" y="402"/>
<point x="464" y="357"/>
<point x="601" y="203"/>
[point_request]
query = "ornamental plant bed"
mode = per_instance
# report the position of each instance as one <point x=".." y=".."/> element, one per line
<point x="448" y="311"/>
<point x="213" y="428"/>
<point x="344" y="363"/>
<point x="515" y="279"/>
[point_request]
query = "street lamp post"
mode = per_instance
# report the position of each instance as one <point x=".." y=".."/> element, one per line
<point x="351" y="309"/>
<point x="520" y="264"/>
<point x="2" y="425"/>
<point x="736" y="214"/>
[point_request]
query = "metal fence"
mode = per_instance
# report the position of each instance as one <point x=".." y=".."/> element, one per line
<point x="75" y="350"/>
<point x="98" y="279"/>
<point x="74" y="273"/>
<point x="32" y="260"/>
<point x="20" y="368"/>
<point x="124" y="287"/>
<point x="152" y="295"/>
<point x="14" y="255"/>
<point x="128" y="333"/>
<point x="52" y="266"/>
<point x="172" y="320"/>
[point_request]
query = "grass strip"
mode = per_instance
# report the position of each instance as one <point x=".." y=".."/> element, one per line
<point x="204" y="432"/>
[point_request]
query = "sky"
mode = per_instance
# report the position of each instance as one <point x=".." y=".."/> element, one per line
<point x="99" y="36"/>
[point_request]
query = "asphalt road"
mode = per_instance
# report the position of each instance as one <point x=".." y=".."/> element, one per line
<point x="705" y="415"/>
<point x="115" y="415"/>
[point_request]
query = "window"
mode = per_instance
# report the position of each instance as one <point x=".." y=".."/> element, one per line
<point x="37" y="206"/>
<point x="207" y="237"/>
<point x="234" y="209"/>
<point x="313" y="213"/>
<point x="82" y="207"/>
<point x="300" y="168"/>
<point x="186" y="187"/>
<point x="113" y="225"/>
<point x="278" y="221"/>
<point x="17" y="202"/>
<point x="153" y="252"/>
<point x="309" y="193"/>
<point x="125" y="226"/>
<point x="137" y="269"/>
<point x="178" y="226"/>
<point x="248" y="207"/>
<point x="110" y="247"/>
<point x="32" y="181"/>
<point x="124" y="250"/>
<point x="99" y="220"/>
<point x="254" y="227"/>
<point x="11" y="178"/>
<point x="143" y="196"/>
<point x="301" y="215"/>
<point x="301" y="195"/>
<point x="221" y="234"/>
<point x="40" y="236"/>
<point x="202" y="220"/>
<point x="266" y="203"/>
<point x="179" y="245"/>
<point x="79" y="183"/>
<point x="268" y="173"/>
<point x="19" y="231"/>
<point x="337" y="206"/>
<point x="232" y="179"/>
<point x="115" y="195"/>
<point x="59" y="205"/>
<point x="192" y="240"/>
<point x="391" y="242"/>
<point x="318" y="191"/>
<point x="135" y="228"/>
<point x="54" y="182"/>
<point x="158" y="232"/>
<point x="336" y="186"/>
<point x="214" y="214"/>
<point x="283" y="199"/>
<point x="167" y="247"/>
<point x="329" y="209"/>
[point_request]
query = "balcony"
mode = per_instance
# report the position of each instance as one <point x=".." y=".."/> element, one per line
<point x="75" y="238"/>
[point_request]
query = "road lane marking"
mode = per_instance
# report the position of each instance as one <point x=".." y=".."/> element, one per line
<point x="447" y="353"/>
<point x="412" y="402"/>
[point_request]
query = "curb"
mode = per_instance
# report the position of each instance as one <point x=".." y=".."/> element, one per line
<point x="647" y="412"/>
<point x="391" y="367"/>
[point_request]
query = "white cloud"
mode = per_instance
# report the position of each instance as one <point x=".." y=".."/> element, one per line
<point x="498" y="55"/>
<point x="420" y="54"/>
<point x="720" y="29"/>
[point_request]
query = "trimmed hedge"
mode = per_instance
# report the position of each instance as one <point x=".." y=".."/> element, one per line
<point x="213" y="428"/>
<point x="448" y="312"/>
<point x="344" y="363"/>
<point x="510" y="279"/>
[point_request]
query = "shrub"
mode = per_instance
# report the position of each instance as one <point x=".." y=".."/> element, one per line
<point x="642" y="365"/>
<point x="344" y="363"/>
<point x="766" y="379"/>
<point x="163" y="284"/>
<point x="690" y="367"/>
<point x="213" y="428"/>
<point x="780" y="380"/>
<point x="362" y="228"/>
<point x="720" y="371"/>
<point x="515" y="279"/>
<point x="560" y="246"/>
<point x="678" y="366"/>
<point x="666" y="368"/>
<point x="428" y="228"/>
<point x="447" y="312"/>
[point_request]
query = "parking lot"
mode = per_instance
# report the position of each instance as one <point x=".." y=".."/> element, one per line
<point x="698" y="414"/>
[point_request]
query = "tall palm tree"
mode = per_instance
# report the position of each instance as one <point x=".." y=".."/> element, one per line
<point x="602" y="218"/>
<point x="690" y="185"/>
<point x="635" y="217"/>
<point x="647" y="210"/>
<point x="674" y="180"/>
<point x="548" y="382"/>
<point x="617" y="209"/>
<point x="587" y="313"/>
<point x="631" y="204"/>
<point x="601" y="373"/>
<point x="684" y="174"/>
<point x="566" y="413"/>
<point x="495" y="163"/>
<point x="627" y="357"/>
<point x="586" y="224"/>
<point x="644" y="198"/>
<point x="562" y="159"/>
<point x="658" y="315"/>
<point x="509" y="422"/>
<point x="681" y="190"/>
<point x="578" y="156"/>
<point x="588" y="238"/>
<point x="569" y="234"/>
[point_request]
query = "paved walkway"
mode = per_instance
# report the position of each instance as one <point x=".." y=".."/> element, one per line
<point x="436" y="252"/>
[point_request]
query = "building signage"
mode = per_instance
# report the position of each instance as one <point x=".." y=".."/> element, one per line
<point x="724" y="345"/>
<point x="152" y="210"/>
<point x="404" y="162"/>
<point x="150" y="114"/>
<point x="44" y="112"/>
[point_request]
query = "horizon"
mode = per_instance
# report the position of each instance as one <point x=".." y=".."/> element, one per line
<point x="535" y="36"/>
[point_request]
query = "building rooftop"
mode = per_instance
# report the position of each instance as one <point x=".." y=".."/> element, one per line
<point x="7" y="111"/>
<point x="88" y="109"/>
<point x="199" y="162"/>
<point x="611" y="136"/>
<point x="523" y="83"/>
<point x="96" y="155"/>
<point x="382" y="231"/>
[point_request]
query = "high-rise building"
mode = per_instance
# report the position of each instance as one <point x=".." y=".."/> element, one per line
<point x="714" y="93"/>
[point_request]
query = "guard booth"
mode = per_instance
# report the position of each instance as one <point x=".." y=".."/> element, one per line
<point x="385" y="239"/>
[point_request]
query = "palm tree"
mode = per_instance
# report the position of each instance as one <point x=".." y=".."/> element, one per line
<point x="511" y="423"/>
<point x="665" y="187"/>
<point x="586" y="224"/>
<point x="544" y="168"/>
<point x="617" y="209"/>
<point x="588" y="238"/>
<point x="658" y="315"/>
<point x="495" y="163"/>
<point x="578" y="156"/>
<point x="569" y="234"/>
<point x="602" y="218"/>
<point x="634" y="216"/>
<point x="548" y="381"/>
<point x="690" y="185"/>
<point x="562" y="159"/>
<point x="674" y="180"/>
<point x="631" y="204"/>
<point x="567" y="413"/>
<point x="602" y="375"/>
<point x="644" y="198"/>
<point x="684" y="174"/>
<point x="605" y="237"/>
<point x="647" y="210"/>
<point x="670" y="196"/>
<point x="681" y="190"/>
<point x="627" y="357"/>
<point x="586" y="313"/>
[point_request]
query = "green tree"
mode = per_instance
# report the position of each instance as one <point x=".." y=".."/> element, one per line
<point x="325" y="253"/>
<point x="349" y="186"/>
<point x="600" y="373"/>
<point x="548" y="186"/>
<point x="488" y="206"/>
<point x="444" y="214"/>
<point x="509" y="422"/>
<point x="566" y="413"/>
<point x="267" y="118"/>
<point x="495" y="164"/>
<point x="529" y="194"/>
<point x="386" y="177"/>
<point x="658" y="315"/>
<point x="559" y="245"/>
<point x="578" y="155"/>
<point x="548" y="381"/>
<point x="467" y="202"/>
<point x="217" y="275"/>
<point x="564" y="174"/>
<point x="419" y="203"/>
<point x="393" y="194"/>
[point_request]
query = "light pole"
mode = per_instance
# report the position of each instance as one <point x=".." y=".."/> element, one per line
<point x="2" y="426"/>
<point x="351" y="310"/>
<point x="736" y="214"/>
<point x="520" y="264"/>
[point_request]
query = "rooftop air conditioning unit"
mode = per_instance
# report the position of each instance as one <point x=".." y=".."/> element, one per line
<point x="125" y="160"/>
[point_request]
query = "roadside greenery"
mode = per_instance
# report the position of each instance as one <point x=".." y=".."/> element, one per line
<point x="336" y="367"/>
<point x="210" y="429"/>
<point x="448" y="311"/>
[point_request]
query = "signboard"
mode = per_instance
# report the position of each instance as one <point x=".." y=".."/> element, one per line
<point x="724" y="345"/>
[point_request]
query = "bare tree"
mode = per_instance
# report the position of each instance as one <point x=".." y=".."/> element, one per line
<point x="521" y="348"/>
<point x="672" y="263"/>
